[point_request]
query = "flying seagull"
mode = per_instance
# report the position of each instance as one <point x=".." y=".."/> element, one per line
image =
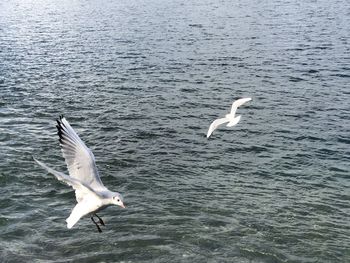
<point x="230" y="118"/>
<point x="92" y="196"/>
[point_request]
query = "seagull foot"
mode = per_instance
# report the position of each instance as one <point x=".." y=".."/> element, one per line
<point x="98" y="227"/>
<point x="100" y="220"/>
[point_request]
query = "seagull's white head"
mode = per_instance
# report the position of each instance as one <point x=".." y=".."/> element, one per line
<point x="117" y="199"/>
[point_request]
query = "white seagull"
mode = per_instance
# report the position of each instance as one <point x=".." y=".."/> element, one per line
<point x="230" y="118"/>
<point x="92" y="196"/>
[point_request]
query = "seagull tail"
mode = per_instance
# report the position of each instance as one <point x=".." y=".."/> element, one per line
<point x="78" y="212"/>
<point x="71" y="221"/>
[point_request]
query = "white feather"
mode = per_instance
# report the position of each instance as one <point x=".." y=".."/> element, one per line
<point x="216" y="124"/>
<point x="230" y="118"/>
<point x="91" y="194"/>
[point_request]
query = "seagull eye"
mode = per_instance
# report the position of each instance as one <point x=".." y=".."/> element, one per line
<point x="118" y="200"/>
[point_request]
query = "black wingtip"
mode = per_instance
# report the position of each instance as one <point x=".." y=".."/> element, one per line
<point x="60" y="134"/>
<point x="59" y="127"/>
<point x="59" y="122"/>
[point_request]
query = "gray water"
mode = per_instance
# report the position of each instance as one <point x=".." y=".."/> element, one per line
<point x="141" y="81"/>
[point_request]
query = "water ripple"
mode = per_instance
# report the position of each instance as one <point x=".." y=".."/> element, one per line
<point x="141" y="82"/>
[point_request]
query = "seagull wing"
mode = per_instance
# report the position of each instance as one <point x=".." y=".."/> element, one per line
<point x="79" y="158"/>
<point x="215" y="124"/>
<point x="238" y="103"/>
<point x="81" y="190"/>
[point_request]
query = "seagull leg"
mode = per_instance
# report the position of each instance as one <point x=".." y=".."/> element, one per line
<point x="98" y="227"/>
<point x="100" y="220"/>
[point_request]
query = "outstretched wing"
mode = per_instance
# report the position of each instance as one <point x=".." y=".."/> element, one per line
<point x="79" y="159"/>
<point x="81" y="190"/>
<point x="238" y="103"/>
<point x="215" y="124"/>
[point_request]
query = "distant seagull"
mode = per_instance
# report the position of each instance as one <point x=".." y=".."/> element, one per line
<point x="230" y="118"/>
<point x="92" y="196"/>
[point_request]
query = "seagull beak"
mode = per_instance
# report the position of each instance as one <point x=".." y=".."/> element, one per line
<point x="122" y="205"/>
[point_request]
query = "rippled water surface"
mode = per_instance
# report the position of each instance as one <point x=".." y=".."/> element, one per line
<point x="141" y="81"/>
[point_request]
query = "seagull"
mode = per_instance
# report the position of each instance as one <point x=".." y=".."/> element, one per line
<point x="230" y="118"/>
<point x="91" y="195"/>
